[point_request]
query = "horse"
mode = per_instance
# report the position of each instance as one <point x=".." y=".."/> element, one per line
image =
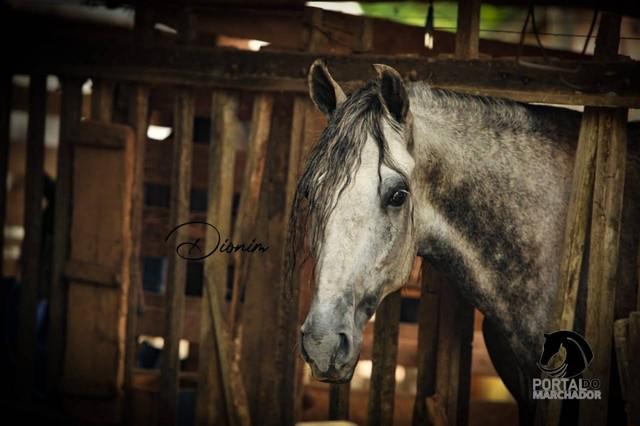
<point x="477" y="186"/>
<point x="577" y="354"/>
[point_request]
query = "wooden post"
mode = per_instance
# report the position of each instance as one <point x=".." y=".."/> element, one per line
<point x="176" y="266"/>
<point x="249" y="198"/>
<point x="339" y="401"/>
<point x="31" y="261"/>
<point x="385" y="350"/>
<point x="138" y="120"/>
<point x="304" y="126"/>
<point x="214" y="402"/>
<point x="427" y="341"/>
<point x="70" y="108"/>
<point x="263" y="375"/>
<point x="102" y="100"/>
<point x="468" y="29"/>
<point x="608" y="193"/>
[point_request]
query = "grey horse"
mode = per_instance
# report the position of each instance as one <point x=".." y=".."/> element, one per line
<point x="477" y="186"/>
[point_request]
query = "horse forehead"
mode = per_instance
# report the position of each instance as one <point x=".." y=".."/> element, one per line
<point x="397" y="147"/>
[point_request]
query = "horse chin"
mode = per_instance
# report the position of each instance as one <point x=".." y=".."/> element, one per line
<point x="343" y="375"/>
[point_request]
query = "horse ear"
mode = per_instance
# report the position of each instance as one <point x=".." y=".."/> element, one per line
<point x="393" y="94"/>
<point x="325" y="93"/>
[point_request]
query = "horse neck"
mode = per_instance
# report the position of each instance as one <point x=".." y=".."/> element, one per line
<point x="493" y="196"/>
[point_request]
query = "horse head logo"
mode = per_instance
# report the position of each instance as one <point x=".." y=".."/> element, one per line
<point x="577" y="354"/>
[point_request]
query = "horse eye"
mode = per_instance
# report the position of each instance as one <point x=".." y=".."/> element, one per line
<point x="398" y="198"/>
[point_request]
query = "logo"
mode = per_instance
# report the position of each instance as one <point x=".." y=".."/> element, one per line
<point x="565" y="355"/>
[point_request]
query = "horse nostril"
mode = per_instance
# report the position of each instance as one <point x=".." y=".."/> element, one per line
<point x="343" y="348"/>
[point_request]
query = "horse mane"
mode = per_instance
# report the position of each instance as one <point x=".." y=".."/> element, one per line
<point x="329" y="170"/>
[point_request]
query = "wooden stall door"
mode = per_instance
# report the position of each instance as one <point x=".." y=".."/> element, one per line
<point x="98" y="269"/>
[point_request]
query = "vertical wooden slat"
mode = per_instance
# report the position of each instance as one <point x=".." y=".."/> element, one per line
<point x="603" y="254"/>
<point x="427" y="341"/>
<point x="102" y="100"/>
<point x="5" y="122"/>
<point x="385" y="349"/>
<point x="70" y="108"/>
<point x="339" y="401"/>
<point x="468" y="29"/>
<point x="176" y="266"/>
<point x="249" y="198"/>
<point x="578" y="216"/>
<point x="291" y="311"/>
<point x="138" y="119"/>
<point x="213" y="401"/>
<point x="262" y="374"/>
<point x="31" y="261"/>
<point x="455" y="337"/>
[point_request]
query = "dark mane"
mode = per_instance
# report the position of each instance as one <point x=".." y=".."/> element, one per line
<point x="330" y="168"/>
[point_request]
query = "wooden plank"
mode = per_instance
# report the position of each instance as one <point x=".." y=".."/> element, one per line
<point x="296" y="293"/>
<point x="213" y="399"/>
<point x="99" y="134"/>
<point x="102" y="100"/>
<point x="6" y="96"/>
<point x="339" y="401"/>
<point x="385" y="350"/>
<point x="603" y="84"/>
<point x="468" y="29"/>
<point x="454" y="355"/>
<point x="152" y="321"/>
<point x="427" y="341"/>
<point x="32" y="262"/>
<point x="262" y="373"/>
<point x="176" y="266"/>
<point x="608" y="193"/>
<point x="99" y="253"/>
<point x="250" y="197"/>
<point x="71" y="105"/>
<point x="138" y="120"/>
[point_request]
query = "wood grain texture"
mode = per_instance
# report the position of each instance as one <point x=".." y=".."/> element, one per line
<point x="31" y="254"/>
<point x="102" y="100"/>
<point x="428" y="323"/>
<point x="176" y="266"/>
<point x="250" y="198"/>
<point x="468" y="29"/>
<point x="71" y="104"/>
<point x="138" y="120"/>
<point x="603" y="276"/>
<point x="214" y="404"/>
<point x="385" y="351"/>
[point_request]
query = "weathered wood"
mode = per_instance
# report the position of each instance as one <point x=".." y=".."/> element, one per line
<point x="249" y="198"/>
<point x="152" y="322"/>
<point x="31" y="255"/>
<point x="603" y="255"/>
<point x="263" y="376"/>
<point x="427" y="341"/>
<point x="176" y="266"/>
<point x="71" y="105"/>
<point x="138" y="120"/>
<point x="98" y="134"/>
<point x="604" y="84"/>
<point x="468" y="29"/>
<point x="339" y="401"/>
<point x="99" y="254"/>
<point x="453" y="357"/>
<point x="385" y="350"/>
<point x="6" y="96"/>
<point x="91" y="273"/>
<point x="214" y="401"/>
<point x="304" y="129"/>
<point x="102" y="100"/>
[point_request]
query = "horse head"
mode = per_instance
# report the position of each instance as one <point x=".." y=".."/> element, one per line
<point x="357" y="196"/>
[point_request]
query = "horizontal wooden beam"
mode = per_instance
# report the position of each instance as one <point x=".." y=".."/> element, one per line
<point x="613" y="84"/>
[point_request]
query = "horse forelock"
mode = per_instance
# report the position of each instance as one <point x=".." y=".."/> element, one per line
<point x="331" y="166"/>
